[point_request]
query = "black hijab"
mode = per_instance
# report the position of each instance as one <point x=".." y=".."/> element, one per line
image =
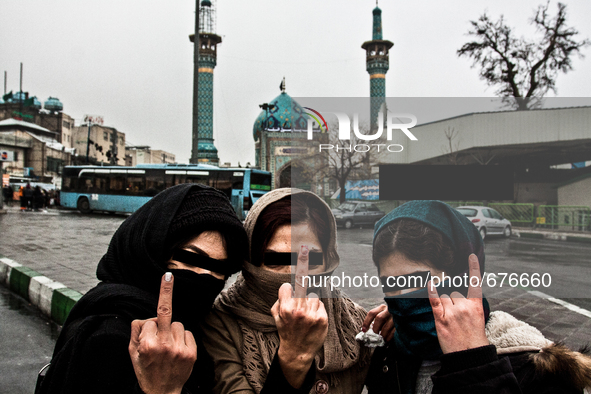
<point x="131" y="270"/>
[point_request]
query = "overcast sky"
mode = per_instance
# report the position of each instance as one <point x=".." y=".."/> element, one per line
<point x="131" y="60"/>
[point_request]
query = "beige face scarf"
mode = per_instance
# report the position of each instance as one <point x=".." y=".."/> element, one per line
<point x="250" y="300"/>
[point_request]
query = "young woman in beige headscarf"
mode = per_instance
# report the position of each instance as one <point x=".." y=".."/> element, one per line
<point x="264" y="341"/>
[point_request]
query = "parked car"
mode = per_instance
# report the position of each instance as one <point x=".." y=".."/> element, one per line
<point x="357" y="213"/>
<point x="487" y="220"/>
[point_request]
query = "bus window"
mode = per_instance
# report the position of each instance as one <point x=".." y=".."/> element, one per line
<point x="174" y="179"/>
<point x="135" y="185"/>
<point x="66" y="184"/>
<point x="70" y="179"/>
<point x="101" y="183"/>
<point x="154" y="185"/>
<point x="228" y="180"/>
<point x="117" y="185"/>
<point x="260" y="181"/>
<point x="204" y="180"/>
<point x="85" y="183"/>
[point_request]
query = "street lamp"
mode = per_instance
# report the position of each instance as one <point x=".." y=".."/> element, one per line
<point x="92" y="120"/>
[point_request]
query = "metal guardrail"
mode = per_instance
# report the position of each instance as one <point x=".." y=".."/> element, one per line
<point x="515" y="213"/>
<point x="564" y="217"/>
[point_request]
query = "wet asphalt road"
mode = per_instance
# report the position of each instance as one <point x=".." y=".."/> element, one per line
<point x="27" y="339"/>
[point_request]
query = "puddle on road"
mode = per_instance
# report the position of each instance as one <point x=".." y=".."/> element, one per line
<point x="12" y="302"/>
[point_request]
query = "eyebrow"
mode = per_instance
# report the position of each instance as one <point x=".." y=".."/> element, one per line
<point x="196" y="250"/>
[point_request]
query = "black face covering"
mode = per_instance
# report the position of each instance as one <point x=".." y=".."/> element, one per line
<point x="193" y="296"/>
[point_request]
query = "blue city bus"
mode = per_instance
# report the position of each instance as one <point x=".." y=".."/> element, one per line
<point x="125" y="189"/>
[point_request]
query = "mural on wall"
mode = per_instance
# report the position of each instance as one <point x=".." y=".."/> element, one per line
<point x="363" y="190"/>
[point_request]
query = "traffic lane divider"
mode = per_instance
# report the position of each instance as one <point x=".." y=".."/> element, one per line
<point x="555" y="236"/>
<point x="53" y="298"/>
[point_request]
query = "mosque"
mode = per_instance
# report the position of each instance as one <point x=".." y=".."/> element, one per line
<point x="282" y="121"/>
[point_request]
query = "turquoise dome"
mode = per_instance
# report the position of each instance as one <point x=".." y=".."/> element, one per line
<point x="53" y="104"/>
<point x="286" y="116"/>
<point x="36" y="103"/>
<point x="18" y="97"/>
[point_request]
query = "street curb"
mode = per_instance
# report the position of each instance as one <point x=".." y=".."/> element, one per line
<point x="551" y="236"/>
<point x="53" y="298"/>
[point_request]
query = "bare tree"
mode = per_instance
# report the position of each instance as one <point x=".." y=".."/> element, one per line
<point x="345" y="162"/>
<point x="523" y="70"/>
<point x="453" y="147"/>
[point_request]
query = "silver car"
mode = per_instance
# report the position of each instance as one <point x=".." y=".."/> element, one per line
<point x="487" y="220"/>
<point x="357" y="213"/>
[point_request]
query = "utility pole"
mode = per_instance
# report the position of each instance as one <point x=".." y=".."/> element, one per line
<point x="88" y="143"/>
<point x="195" y="149"/>
<point x="21" y="94"/>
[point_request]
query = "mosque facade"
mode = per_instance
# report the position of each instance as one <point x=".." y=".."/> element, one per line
<point x="281" y="145"/>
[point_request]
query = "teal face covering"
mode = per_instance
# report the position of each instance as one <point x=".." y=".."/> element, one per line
<point x="415" y="333"/>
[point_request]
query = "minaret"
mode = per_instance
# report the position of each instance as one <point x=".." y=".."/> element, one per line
<point x="208" y="41"/>
<point x="377" y="64"/>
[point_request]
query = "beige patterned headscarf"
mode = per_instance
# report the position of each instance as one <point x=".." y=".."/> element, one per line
<point x="250" y="300"/>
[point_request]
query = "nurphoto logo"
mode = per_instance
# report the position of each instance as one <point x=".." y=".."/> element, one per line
<point x="393" y="122"/>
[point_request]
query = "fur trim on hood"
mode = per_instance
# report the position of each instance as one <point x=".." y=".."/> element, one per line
<point x="511" y="335"/>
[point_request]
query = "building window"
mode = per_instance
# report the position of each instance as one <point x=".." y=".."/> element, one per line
<point x="54" y="165"/>
<point x="66" y="124"/>
<point x="105" y="136"/>
<point x="121" y="141"/>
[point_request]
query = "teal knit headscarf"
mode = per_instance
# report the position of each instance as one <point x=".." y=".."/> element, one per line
<point x="463" y="236"/>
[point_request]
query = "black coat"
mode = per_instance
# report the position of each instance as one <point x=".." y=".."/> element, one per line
<point x="91" y="353"/>
<point x="482" y="371"/>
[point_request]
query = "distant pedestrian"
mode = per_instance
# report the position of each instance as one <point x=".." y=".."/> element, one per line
<point x="7" y="192"/>
<point x="45" y="199"/>
<point x="37" y="198"/>
<point x="22" y="199"/>
<point x="28" y="197"/>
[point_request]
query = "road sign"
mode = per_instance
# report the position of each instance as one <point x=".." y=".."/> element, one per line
<point x="6" y="155"/>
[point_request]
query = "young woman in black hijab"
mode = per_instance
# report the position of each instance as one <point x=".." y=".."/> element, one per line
<point x="189" y="230"/>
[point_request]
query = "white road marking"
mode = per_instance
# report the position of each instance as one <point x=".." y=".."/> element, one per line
<point x="565" y="304"/>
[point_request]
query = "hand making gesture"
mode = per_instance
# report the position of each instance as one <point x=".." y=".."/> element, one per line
<point x="302" y="324"/>
<point x="460" y="321"/>
<point x="162" y="353"/>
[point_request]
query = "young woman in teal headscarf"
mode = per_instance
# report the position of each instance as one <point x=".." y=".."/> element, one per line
<point x="446" y="338"/>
